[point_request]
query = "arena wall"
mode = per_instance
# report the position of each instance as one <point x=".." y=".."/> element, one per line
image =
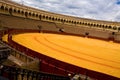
<point x="51" y="65"/>
<point x="117" y="37"/>
<point x="15" y="16"/>
<point x="8" y="21"/>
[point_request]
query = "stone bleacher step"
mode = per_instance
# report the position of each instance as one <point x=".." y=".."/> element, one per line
<point x="16" y="60"/>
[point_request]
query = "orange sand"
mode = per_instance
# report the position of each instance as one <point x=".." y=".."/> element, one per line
<point x="93" y="54"/>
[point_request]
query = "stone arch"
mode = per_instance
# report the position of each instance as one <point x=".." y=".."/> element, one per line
<point x="30" y="14"/>
<point x="64" y="20"/>
<point x="102" y="25"/>
<point x="77" y="22"/>
<point x="85" y="23"/>
<point x="72" y="21"/>
<point x="61" y="20"/>
<point x="19" y="11"/>
<point x="80" y="22"/>
<point x="106" y="26"/>
<point x="69" y="21"/>
<point x="46" y="17"/>
<point x="52" y="18"/>
<point x="6" y="9"/>
<point x="40" y="16"/>
<point x="97" y="25"/>
<point x="118" y="28"/>
<point x="22" y="12"/>
<point x="43" y="16"/>
<point x="55" y="18"/>
<point x="113" y="33"/>
<point x="2" y="7"/>
<point x="109" y="27"/>
<point x="91" y="24"/>
<point x="36" y="15"/>
<point x="26" y="14"/>
<point x="10" y="10"/>
<point x="86" y="34"/>
<point x="94" y="24"/>
<point x="33" y="14"/>
<point x="88" y="24"/>
<point x="14" y="10"/>
<point x="58" y="19"/>
<point x="114" y="28"/>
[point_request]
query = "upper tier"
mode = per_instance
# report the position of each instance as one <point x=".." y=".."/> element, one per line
<point x="15" y="9"/>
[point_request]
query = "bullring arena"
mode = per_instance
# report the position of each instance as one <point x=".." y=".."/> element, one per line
<point x="64" y="45"/>
<point x="102" y="57"/>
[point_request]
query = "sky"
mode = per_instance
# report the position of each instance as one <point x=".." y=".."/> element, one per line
<point x="108" y="10"/>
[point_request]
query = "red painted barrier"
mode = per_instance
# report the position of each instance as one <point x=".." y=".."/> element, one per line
<point x="52" y="65"/>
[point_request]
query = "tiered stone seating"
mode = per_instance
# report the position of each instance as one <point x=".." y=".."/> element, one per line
<point x="17" y="22"/>
<point x="26" y="71"/>
<point x="19" y="59"/>
<point x="99" y="34"/>
<point x="47" y="22"/>
<point x="15" y="73"/>
<point x="75" y="30"/>
<point x="95" y="33"/>
<point x="4" y="53"/>
<point x="49" y="26"/>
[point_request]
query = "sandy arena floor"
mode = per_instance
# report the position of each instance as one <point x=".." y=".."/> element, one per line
<point x="93" y="54"/>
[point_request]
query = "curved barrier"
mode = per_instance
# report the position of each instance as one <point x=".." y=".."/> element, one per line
<point x="52" y="65"/>
<point x="95" y="29"/>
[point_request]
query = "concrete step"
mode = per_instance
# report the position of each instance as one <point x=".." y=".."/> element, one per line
<point x="16" y="60"/>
